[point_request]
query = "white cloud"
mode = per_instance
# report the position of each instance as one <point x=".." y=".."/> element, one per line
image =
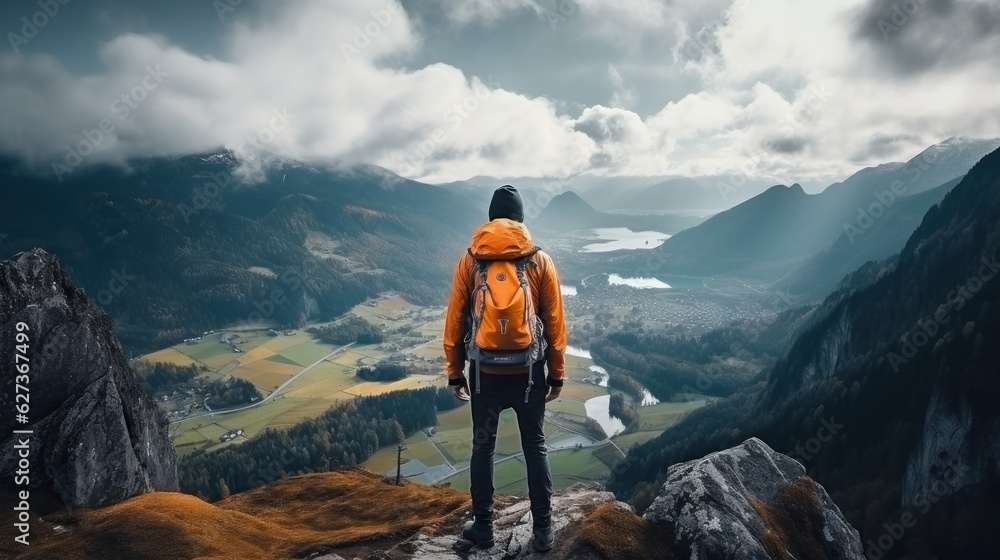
<point x="786" y="86"/>
<point x="621" y="21"/>
<point x="622" y="95"/>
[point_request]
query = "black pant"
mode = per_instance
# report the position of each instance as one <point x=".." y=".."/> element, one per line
<point x="500" y="392"/>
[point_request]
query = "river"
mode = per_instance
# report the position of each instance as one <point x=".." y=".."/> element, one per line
<point x="597" y="408"/>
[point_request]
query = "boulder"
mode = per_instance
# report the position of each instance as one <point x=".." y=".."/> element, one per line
<point x="96" y="438"/>
<point x="750" y="502"/>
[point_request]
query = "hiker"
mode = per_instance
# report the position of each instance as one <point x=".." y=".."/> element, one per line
<point x="505" y="316"/>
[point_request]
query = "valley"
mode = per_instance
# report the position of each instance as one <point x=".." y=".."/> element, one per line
<point x="300" y="377"/>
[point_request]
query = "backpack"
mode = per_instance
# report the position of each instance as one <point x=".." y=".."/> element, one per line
<point x="504" y="327"/>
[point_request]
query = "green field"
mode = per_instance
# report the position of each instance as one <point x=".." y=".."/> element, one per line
<point x="665" y="414"/>
<point x="269" y="361"/>
<point x="568" y="467"/>
<point x="418" y="447"/>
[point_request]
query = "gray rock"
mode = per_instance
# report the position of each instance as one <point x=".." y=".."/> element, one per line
<point x="957" y="448"/>
<point x="513" y="529"/>
<point x="708" y="503"/>
<point x="98" y="438"/>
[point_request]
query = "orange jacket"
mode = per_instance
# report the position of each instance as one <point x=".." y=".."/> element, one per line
<point x="504" y="239"/>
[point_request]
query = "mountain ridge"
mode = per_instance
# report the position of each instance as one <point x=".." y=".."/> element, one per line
<point x="330" y="238"/>
<point x="918" y="328"/>
<point x="769" y="235"/>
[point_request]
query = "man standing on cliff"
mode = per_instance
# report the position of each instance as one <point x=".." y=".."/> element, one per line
<point x="505" y="316"/>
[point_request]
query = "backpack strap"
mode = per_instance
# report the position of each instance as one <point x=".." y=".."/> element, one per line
<point x="478" y="295"/>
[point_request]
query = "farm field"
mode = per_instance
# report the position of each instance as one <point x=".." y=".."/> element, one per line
<point x="269" y="361"/>
<point x="568" y="467"/>
<point x="568" y="463"/>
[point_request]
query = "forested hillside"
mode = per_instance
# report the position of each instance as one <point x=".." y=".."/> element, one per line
<point x="178" y="246"/>
<point x="889" y="395"/>
<point x="345" y="435"/>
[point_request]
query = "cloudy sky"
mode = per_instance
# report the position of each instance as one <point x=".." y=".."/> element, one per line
<point x="442" y="90"/>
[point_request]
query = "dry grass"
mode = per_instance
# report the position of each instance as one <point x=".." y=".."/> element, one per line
<point x="258" y="353"/>
<point x="370" y="389"/>
<point x="170" y="356"/>
<point x="619" y="534"/>
<point x="282" y="520"/>
<point x="793" y="525"/>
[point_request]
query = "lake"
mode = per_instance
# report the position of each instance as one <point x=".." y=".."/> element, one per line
<point x="616" y="239"/>
<point x="597" y="408"/>
<point x="601" y="373"/>
<point x="640" y="283"/>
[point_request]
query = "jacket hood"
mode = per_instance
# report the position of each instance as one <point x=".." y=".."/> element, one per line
<point x="501" y="239"/>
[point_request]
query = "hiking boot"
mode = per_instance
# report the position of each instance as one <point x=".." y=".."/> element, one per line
<point x="480" y="533"/>
<point x="544" y="538"/>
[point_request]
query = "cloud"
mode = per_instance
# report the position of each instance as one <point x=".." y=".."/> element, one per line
<point x="781" y="88"/>
<point x="317" y="63"/>
<point x="787" y="145"/>
<point x="882" y="146"/>
<point x="913" y="36"/>
<point x="612" y="21"/>
<point x="622" y="96"/>
<point x="489" y="12"/>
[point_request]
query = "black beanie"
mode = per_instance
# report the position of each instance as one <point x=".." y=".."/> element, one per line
<point x="506" y="203"/>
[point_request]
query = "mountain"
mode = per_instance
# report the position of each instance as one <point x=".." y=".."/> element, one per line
<point x="567" y="211"/>
<point x="880" y="239"/>
<point x="772" y="233"/>
<point x="178" y="246"/>
<point x="668" y="194"/>
<point x="607" y="192"/>
<point x="353" y="513"/>
<point x="933" y="166"/>
<point x="101" y="442"/>
<point x="889" y="394"/>
<point x="741" y="238"/>
<point x="94" y="436"/>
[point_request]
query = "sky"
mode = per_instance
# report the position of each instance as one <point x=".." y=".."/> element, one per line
<point x="445" y="90"/>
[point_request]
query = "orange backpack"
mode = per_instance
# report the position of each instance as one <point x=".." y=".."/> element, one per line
<point x="505" y="330"/>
